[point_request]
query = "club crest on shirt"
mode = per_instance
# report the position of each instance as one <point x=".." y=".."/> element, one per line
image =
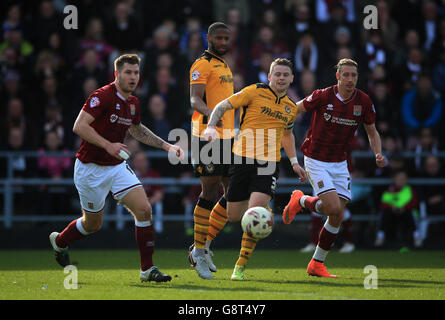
<point x="113" y="118"/>
<point x="195" y="75"/>
<point x="357" y="110"/>
<point x="94" y="102"/>
<point x="287" y="109"/>
<point x="132" y="109"/>
<point x="327" y="116"/>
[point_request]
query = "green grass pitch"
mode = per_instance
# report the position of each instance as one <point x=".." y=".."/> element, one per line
<point x="270" y="275"/>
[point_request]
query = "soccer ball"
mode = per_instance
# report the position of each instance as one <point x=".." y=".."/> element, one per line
<point x="257" y="222"/>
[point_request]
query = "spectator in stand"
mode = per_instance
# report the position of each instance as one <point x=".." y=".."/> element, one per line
<point x="407" y="75"/>
<point x="422" y="106"/>
<point x="426" y="142"/>
<point x="411" y="40"/>
<point x="306" y="53"/>
<point x="259" y="73"/>
<point x="399" y="203"/>
<point x="94" y="39"/>
<point x="388" y="118"/>
<point x="22" y="167"/>
<point x="14" y="38"/>
<point x="430" y="21"/>
<point x="375" y="49"/>
<point x="48" y="21"/>
<point x="193" y="48"/>
<point x="301" y="22"/>
<point x="16" y="118"/>
<point x="54" y="198"/>
<point x="141" y="166"/>
<point x="432" y="195"/>
<point x="123" y="32"/>
<point x="89" y="67"/>
<point x="266" y="40"/>
<point x="166" y="86"/>
<point x="156" y="117"/>
<point x="387" y="25"/>
<point x="439" y="72"/>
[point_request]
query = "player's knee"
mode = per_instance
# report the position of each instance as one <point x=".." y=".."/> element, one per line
<point x="334" y="209"/>
<point x="92" y="226"/>
<point x="143" y="212"/>
<point x="210" y="191"/>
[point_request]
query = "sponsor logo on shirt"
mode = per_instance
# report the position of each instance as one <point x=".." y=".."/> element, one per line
<point x="275" y="114"/>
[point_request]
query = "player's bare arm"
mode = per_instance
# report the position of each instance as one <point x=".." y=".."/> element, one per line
<point x="300" y="107"/>
<point x="219" y="111"/>
<point x="197" y="102"/>
<point x="84" y="130"/>
<point x="375" y="144"/>
<point x="288" y="144"/>
<point x="146" y="136"/>
<point x="210" y="132"/>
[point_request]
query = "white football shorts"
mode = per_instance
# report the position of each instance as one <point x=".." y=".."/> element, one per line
<point x="93" y="183"/>
<point x="329" y="176"/>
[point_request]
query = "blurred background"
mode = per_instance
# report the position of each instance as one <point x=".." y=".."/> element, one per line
<point x="47" y="72"/>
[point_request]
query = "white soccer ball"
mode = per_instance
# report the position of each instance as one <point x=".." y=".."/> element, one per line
<point x="257" y="222"/>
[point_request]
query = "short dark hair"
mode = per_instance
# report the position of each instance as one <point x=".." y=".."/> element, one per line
<point x="130" y="58"/>
<point x="217" y="25"/>
<point x="281" y="62"/>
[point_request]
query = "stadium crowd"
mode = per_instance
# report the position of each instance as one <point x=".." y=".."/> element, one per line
<point x="47" y="72"/>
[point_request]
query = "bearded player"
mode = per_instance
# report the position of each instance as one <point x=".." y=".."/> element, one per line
<point x="106" y="117"/>
<point x="337" y="112"/>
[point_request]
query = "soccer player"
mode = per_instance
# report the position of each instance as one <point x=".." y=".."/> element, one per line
<point x="337" y="112"/>
<point x="211" y="81"/>
<point x="103" y="122"/>
<point x="267" y="118"/>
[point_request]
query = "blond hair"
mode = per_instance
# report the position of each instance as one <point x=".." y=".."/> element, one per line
<point x="346" y="62"/>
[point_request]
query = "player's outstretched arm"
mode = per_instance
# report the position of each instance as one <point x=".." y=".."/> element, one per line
<point x="375" y="144"/>
<point x="288" y="144"/>
<point x="146" y="136"/>
<point x="84" y="130"/>
<point x="210" y="132"/>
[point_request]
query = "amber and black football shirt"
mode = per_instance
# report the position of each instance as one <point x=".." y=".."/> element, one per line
<point x="213" y="71"/>
<point x="263" y="118"/>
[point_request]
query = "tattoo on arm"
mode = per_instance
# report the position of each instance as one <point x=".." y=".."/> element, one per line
<point x="219" y="111"/>
<point x="145" y="135"/>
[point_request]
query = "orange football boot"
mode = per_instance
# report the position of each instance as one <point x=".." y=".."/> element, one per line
<point x="293" y="207"/>
<point x="318" y="269"/>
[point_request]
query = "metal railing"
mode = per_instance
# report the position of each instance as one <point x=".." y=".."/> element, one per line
<point x="175" y="185"/>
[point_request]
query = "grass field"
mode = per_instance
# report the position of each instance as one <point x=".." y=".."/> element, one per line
<point x="271" y="275"/>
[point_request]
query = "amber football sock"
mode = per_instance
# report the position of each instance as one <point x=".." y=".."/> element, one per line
<point x="218" y="219"/>
<point x="248" y="245"/>
<point x="201" y="216"/>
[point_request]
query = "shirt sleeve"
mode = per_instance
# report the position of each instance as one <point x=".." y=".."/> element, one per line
<point x="137" y="117"/>
<point x="370" y="113"/>
<point x="200" y="72"/>
<point x="313" y="101"/>
<point x="96" y="104"/>
<point x="242" y="98"/>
